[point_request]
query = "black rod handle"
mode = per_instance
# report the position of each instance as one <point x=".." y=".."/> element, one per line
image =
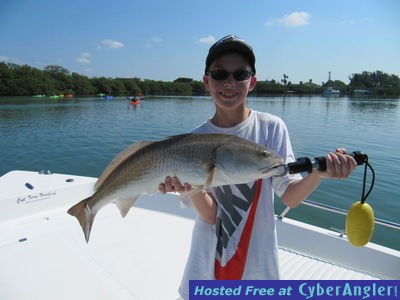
<point x="304" y="164"/>
<point x="320" y="162"/>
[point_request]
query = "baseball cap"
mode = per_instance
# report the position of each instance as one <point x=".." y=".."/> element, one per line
<point x="231" y="43"/>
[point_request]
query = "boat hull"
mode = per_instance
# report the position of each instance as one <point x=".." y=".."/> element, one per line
<point x="39" y="239"/>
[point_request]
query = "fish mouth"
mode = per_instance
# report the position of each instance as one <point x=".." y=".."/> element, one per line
<point x="273" y="171"/>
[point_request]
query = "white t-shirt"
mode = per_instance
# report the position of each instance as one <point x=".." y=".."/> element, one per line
<point x="243" y="243"/>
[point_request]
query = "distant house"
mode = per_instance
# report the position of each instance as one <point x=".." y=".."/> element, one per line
<point x="361" y="92"/>
<point x="329" y="92"/>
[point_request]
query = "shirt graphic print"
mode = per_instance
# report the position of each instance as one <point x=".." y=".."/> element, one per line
<point x="237" y="208"/>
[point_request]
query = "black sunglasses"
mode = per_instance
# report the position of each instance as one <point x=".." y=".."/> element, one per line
<point x="239" y="75"/>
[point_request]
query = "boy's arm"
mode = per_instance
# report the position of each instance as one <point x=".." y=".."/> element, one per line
<point x="203" y="203"/>
<point x="338" y="165"/>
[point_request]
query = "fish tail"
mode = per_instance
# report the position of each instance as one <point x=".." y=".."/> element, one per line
<point x="84" y="215"/>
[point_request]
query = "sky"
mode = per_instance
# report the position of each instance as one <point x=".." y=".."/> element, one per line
<point x="165" y="40"/>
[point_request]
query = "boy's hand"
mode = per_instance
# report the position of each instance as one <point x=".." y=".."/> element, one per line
<point x="173" y="184"/>
<point x="338" y="165"/>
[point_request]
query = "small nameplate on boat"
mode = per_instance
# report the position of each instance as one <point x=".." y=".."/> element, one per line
<point x="36" y="197"/>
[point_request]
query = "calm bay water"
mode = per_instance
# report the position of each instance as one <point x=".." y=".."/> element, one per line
<point x="80" y="136"/>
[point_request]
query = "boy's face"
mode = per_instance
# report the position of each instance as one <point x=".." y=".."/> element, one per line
<point x="229" y="93"/>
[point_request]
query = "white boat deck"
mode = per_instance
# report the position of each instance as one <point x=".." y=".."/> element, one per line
<point x="297" y="266"/>
<point x="43" y="254"/>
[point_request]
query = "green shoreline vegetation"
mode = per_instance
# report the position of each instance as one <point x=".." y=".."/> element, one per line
<point x="24" y="80"/>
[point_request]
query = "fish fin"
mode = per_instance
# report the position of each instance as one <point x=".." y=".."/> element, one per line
<point x="117" y="160"/>
<point x="210" y="178"/>
<point x="84" y="215"/>
<point x="200" y="188"/>
<point x="125" y="204"/>
<point x="179" y="136"/>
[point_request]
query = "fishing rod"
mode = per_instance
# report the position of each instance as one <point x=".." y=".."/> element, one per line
<point x="305" y="164"/>
<point x="360" y="220"/>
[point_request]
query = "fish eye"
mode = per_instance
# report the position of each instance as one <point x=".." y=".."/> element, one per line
<point x="265" y="154"/>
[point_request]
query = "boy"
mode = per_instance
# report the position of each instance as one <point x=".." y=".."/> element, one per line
<point x="234" y="236"/>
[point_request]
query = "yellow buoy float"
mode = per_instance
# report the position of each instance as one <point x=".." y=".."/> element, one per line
<point x="360" y="220"/>
<point x="360" y="223"/>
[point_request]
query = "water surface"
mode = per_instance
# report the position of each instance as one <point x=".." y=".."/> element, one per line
<point x="80" y="136"/>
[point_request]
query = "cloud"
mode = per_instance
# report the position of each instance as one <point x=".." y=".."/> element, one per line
<point x="270" y="22"/>
<point x="360" y="22"/>
<point x="209" y="39"/>
<point x="347" y="22"/>
<point x="84" y="58"/>
<point x="295" y="19"/>
<point x="111" y="44"/>
<point x="8" y="59"/>
<point x="154" y="40"/>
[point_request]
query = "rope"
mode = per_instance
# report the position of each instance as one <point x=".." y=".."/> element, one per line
<point x="367" y="165"/>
